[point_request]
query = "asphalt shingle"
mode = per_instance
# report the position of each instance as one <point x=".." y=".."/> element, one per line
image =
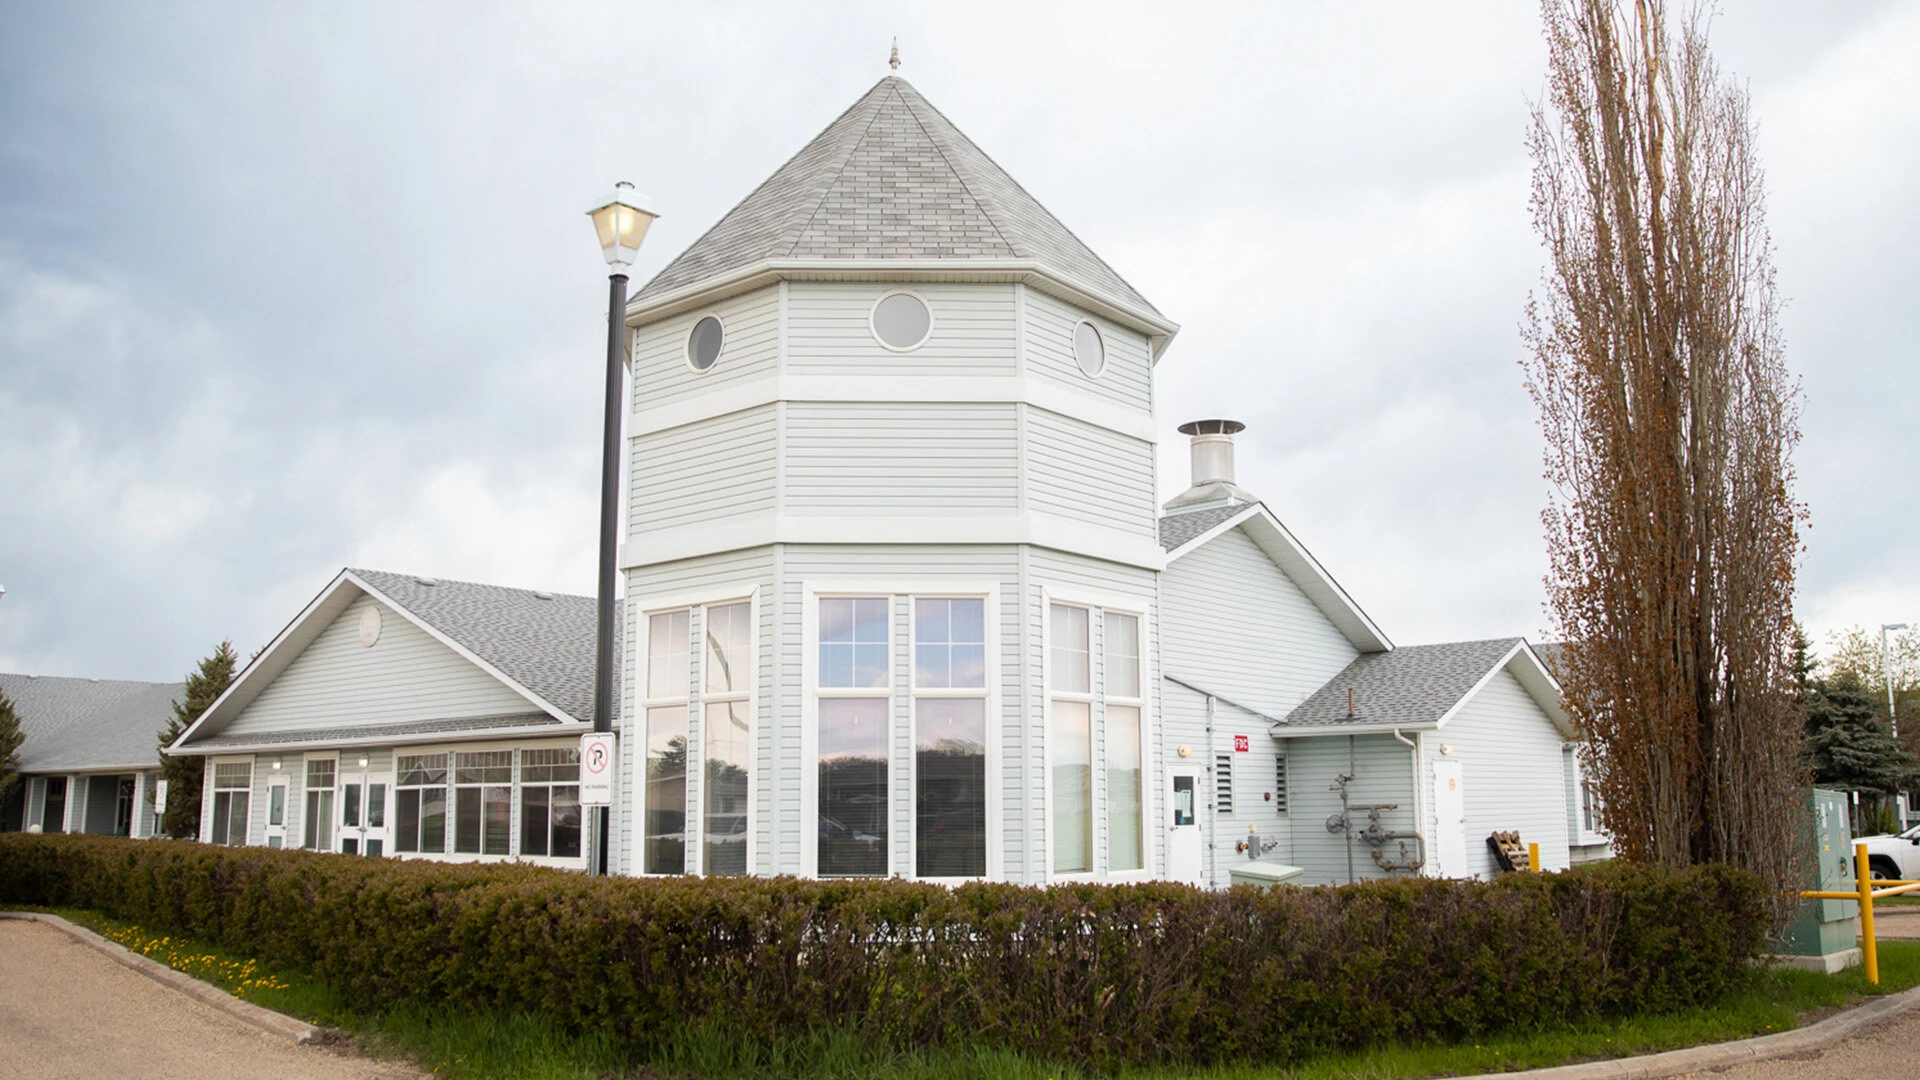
<point x="1177" y="529"/>
<point x="543" y="641"/>
<point x="1409" y="686"/>
<point x="80" y="724"/>
<point x="892" y="178"/>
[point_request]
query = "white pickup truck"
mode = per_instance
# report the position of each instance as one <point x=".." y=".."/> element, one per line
<point x="1893" y="857"/>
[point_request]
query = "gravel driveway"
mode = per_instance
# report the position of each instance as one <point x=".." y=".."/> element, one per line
<point x="68" y="1011"/>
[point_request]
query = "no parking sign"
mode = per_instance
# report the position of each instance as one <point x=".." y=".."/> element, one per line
<point x="596" y="769"/>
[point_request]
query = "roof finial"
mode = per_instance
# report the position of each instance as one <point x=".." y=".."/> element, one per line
<point x="893" y="61"/>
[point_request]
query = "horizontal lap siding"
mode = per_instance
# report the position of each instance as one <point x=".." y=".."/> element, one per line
<point x="828" y="332"/>
<point x="750" y="349"/>
<point x="1510" y="772"/>
<point x="1089" y="473"/>
<point x="1236" y="625"/>
<point x="1382" y="768"/>
<point x="406" y="675"/>
<point x="1126" y="380"/>
<point x="708" y="471"/>
<point x="867" y="459"/>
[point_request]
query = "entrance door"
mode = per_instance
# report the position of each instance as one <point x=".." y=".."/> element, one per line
<point x="277" y="812"/>
<point x="363" y="814"/>
<point x="1184" y="861"/>
<point x="1450" y="821"/>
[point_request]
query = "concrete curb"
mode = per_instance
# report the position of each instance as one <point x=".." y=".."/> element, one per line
<point x="1814" y="1037"/>
<point x="266" y="1020"/>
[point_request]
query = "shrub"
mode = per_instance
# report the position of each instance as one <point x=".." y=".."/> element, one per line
<point x="1106" y="975"/>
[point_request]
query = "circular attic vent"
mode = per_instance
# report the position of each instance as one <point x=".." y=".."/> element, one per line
<point x="703" y="345"/>
<point x="901" y="321"/>
<point x="1089" y="348"/>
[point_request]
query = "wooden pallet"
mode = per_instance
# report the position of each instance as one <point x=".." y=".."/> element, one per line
<point x="1509" y="852"/>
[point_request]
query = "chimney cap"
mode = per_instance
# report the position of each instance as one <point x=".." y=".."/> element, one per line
<point x="1212" y="427"/>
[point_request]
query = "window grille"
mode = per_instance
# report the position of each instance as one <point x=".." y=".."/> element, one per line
<point x="1223" y="783"/>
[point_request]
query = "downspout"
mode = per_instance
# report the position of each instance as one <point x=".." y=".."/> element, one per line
<point x="1213" y="803"/>
<point x="1419" y="797"/>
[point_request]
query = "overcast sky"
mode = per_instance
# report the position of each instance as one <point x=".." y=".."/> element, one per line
<point x="285" y="288"/>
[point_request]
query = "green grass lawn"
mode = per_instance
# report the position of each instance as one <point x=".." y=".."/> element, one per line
<point x="526" y="1048"/>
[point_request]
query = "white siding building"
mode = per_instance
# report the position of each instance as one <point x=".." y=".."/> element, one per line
<point x="899" y="599"/>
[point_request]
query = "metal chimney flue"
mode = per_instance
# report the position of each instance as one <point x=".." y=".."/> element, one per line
<point x="1212" y="449"/>
<point x="1212" y="465"/>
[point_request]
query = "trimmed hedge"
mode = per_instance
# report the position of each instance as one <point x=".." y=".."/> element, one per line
<point x="1105" y="975"/>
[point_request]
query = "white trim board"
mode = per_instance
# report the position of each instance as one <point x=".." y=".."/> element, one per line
<point x="642" y="549"/>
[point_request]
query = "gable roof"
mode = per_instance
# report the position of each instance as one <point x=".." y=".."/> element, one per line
<point x="75" y="725"/>
<point x="539" y="644"/>
<point x="1187" y="531"/>
<point x="891" y="179"/>
<point x="542" y="641"/>
<point x="1420" y="687"/>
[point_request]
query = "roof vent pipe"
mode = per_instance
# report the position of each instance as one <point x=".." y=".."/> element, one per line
<point x="1212" y="458"/>
<point x="1212" y="449"/>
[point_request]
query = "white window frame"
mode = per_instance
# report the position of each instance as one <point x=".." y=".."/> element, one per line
<point x="520" y="784"/>
<point x="644" y="608"/>
<point x="333" y="812"/>
<point x="1583" y="836"/>
<point x="687" y="343"/>
<point x="900" y="675"/>
<point x="873" y="325"/>
<point x="446" y="788"/>
<point x="1097" y="605"/>
<point x="212" y="794"/>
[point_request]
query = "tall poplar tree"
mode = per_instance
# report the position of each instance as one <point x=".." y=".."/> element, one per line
<point x="1669" y="418"/>
<point x="184" y="775"/>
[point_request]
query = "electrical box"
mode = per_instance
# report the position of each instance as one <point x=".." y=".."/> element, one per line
<point x="1825" y="933"/>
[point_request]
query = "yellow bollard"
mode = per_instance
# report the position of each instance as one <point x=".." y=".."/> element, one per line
<point x="1533" y="857"/>
<point x="1864" y="877"/>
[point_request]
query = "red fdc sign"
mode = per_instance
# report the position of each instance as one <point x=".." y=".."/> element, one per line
<point x="1240" y="744"/>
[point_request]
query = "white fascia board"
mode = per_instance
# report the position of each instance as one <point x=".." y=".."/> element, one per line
<point x="462" y="651"/>
<point x="1159" y="330"/>
<point x="1039" y="392"/>
<point x="280" y="652"/>
<point x="760" y="530"/>
<point x="568" y="729"/>
<point x="1290" y="731"/>
<point x="1294" y="560"/>
<point x="1533" y="678"/>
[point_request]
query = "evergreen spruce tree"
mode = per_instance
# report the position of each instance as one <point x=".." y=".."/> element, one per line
<point x="1847" y="745"/>
<point x="10" y="739"/>
<point x="185" y="774"/>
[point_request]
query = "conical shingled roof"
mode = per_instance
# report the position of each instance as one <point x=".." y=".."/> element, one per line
<point x="890" y="179"/>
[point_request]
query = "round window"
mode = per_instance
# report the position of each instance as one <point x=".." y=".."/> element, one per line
<point x="901" y="321"/>
<point x="703" y="345"/>
<point x="1089" y="348"/>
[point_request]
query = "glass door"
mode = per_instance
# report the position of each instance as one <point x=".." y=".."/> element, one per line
<point x="277" y="812"/>
<point x="363" y="813"/>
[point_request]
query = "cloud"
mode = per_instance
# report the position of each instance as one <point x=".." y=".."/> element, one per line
<point x="284" y="289"/>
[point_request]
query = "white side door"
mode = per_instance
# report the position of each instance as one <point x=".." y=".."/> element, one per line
<point x="277" y="812"/>
<point x="1185" y="860"/>
<point x="1450" y="821"/>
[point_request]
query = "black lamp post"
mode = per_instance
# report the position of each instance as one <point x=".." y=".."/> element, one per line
<point x="621" y="223"/>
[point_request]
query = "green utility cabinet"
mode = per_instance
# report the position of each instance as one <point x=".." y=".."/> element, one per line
<point x="1824" y="935"/>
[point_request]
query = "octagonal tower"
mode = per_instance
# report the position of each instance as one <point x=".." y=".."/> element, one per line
<point x="891" y="553"/>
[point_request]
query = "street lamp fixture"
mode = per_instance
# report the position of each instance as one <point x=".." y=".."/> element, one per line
<point x="621" y="222"/>
<point x="1886" y="669"/>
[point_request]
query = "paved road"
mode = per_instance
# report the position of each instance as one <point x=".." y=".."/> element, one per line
<point x="67" y="1011"/>
<point x="1892" y="1050"/>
